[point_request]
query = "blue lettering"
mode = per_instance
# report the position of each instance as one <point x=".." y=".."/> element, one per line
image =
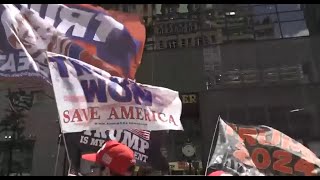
<point x="115" y="95"/>
<point x="80" y="68"/>
<point x="93" y="89"/>
<point x="61" y="66"/>
<point x="141" y="94"/>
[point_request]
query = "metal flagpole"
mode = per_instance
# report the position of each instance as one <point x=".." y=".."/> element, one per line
<point x="57" y="158"/>
<point x="66" y="147"/>
<point x="214" y="134"/>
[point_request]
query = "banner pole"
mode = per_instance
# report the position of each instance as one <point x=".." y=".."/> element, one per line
<point x="57" y="158"/>
<point x="66" y="148"/>
<point x="214" y="134"/>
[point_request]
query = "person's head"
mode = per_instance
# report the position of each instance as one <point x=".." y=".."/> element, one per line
<point x="219" y="173"/>
<point x="114" y="159"/>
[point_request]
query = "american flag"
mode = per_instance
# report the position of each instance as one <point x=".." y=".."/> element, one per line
<point x="141" y="133"/>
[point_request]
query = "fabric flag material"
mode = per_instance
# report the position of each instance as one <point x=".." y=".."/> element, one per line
<point x="90" y="99"/>
<point x="91" y="141"/>
<point x="260" y="150"/>
<point x="111" y="41"/>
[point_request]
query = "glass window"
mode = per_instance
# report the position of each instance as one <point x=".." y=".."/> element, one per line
<point x="294" y="29"/>
<point x="172" y="44"/>
<point x="268" y="31"/>
<point x="183" y="43"/>
<point x="265" y="19"/>
<point x="169" y="28"/>
<point x="198" y="41"/>
<point x="213" y="39"/>
<point x="264" y="9"/>
<point x="189" y="42"/>
<point x="291" y="16"/>
<point x="288" y="7"/>
<point x="205" y="40"/>
<point x="161" y="44"/>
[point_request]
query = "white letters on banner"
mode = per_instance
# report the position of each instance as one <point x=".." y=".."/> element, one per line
<point x="90" y="99"/>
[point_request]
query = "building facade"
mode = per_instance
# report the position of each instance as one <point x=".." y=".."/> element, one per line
<point x="248" y="63"/>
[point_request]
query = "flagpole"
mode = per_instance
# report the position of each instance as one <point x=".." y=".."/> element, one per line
<point x="57" y="158"/>
<point x="63" y="136"/>
<point x="214" y="134"/>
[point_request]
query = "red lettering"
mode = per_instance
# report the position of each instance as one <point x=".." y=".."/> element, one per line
<point x="154" y="115"/>
<point x="85" y="114"/>
<point x="139" y="113"/>
<point x="77" y="116"/>
<point x="283" y="159"/>
<point x="242" y="154"/>
<point x="146" y="115"/>
<point x="172" y="120"/>
<point x="248" y="135"/>
<point x="66" y="117"/>
<point x="304" y="167"/>
<point x="159" y="116"/>
<point x="265" y="158"/>
<point x="125" y="114"/>
<point x="94" y="113"/>
<point x="113" y="113"/>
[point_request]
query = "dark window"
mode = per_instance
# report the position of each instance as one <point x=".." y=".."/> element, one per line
<point x="183" y="43"/>
<point x="213" y="38"/>
<point x="172" y="44"/>
<point x="189" y="42"/>
<point x="267" y="31"/>
<point x="161" y="45"/>
<point x="288" y="7"/>
<point x="160" y="30"/>
<point x="198" y="41"/>
<point x="264" y="9"/>
<point x="291" y="16"/>
<point x="169" y="28"/>
<point x="265" y="19"/>
<point x="205" y="40"/>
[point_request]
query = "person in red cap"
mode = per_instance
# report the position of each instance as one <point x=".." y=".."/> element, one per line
<point x="219" y="173"/>
<point x="114" y="158"/>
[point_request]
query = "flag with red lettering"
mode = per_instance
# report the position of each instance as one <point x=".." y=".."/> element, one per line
<point x="260" y="150"/>
<point x="109" y="40"/>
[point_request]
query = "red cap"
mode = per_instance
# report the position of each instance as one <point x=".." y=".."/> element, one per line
<point x="114" y="155"/>
<point x="219" y="173"/>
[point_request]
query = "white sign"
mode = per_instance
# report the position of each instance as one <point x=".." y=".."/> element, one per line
<point x="90" y="99"/>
